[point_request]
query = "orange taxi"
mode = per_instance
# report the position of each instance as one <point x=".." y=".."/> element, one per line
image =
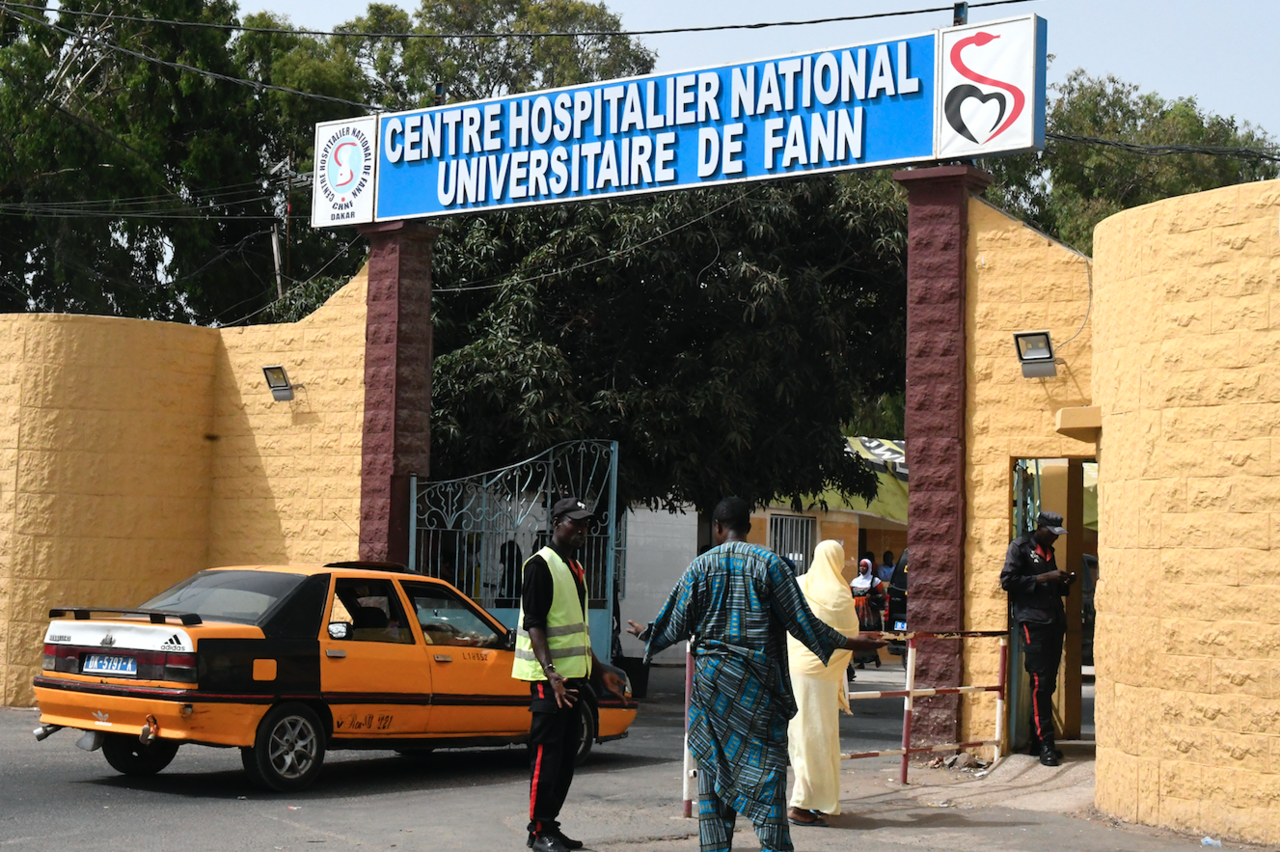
<point x="287" y="663"/>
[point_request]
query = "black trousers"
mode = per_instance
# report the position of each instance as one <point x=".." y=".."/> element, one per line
<point x="554" y="735"/>
<point x="1041" y="654"/>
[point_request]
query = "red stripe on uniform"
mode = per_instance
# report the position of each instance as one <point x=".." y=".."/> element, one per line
<point x="533" y="792"/>
<point x="1035" y="705"/>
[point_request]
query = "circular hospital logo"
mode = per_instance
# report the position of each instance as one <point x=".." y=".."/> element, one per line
<point x="346" y="164"/>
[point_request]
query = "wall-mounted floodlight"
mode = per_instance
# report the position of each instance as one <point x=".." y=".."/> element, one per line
<point x="278" y="381"/>
<point x="1035" y="353"/>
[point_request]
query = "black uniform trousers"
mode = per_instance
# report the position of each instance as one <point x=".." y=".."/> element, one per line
<point x="554" y="736"/>
<point x="1041" y="654"/>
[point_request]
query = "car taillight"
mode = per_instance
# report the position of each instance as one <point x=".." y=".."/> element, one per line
<point x="61" y="658"/>
<point x="162" y="665"/>
<point x="180" y="667"/>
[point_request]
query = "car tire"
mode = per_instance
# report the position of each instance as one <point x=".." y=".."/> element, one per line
<point x="288" y="750"/>
<point x="588" y="732"/>
<point x="129" y="756"/>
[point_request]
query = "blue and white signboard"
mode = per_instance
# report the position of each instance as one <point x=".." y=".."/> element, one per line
<point x="963" y="92"/>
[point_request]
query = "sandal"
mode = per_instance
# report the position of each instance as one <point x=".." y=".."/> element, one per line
<point x="815" y="819"/>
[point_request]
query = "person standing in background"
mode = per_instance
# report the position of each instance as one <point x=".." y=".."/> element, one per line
<point x="885" y="571"/>
<point x="1036" y="588"/>
<point x="813" y="735"/>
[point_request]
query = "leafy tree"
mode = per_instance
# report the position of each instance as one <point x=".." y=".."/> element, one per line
<point x="1070" y="187"/>
<point x="722" y="337"/>
<point x="403" y="73"/>
<point x="135" y="188"/>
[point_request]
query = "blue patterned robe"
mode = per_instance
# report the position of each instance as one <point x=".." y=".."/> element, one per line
<point x="738" y="601"/>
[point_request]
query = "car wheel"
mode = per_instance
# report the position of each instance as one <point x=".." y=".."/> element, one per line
<point x="128" y="755"/>
<point x="588" y="733"/>
<point x="288" y="750"/>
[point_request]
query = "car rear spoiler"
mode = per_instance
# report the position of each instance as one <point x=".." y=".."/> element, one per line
<point x="84" y="613"/>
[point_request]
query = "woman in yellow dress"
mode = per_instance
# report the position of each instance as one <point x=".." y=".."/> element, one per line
<point x="821" y="693"/>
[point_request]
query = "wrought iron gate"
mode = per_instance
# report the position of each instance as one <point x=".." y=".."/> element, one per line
<point x="476" y="532"/>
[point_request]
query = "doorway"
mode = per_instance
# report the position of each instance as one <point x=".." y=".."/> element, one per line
<point x="1069" y="487"/>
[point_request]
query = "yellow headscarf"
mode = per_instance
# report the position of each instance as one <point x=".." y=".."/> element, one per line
<point x="828" y="595"/>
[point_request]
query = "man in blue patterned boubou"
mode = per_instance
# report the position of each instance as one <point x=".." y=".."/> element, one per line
<point x="735" y="604"/>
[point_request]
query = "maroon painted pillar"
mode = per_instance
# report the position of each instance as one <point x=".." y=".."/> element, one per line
<point x="397" y="384"/>
<point x="937" y="235"/>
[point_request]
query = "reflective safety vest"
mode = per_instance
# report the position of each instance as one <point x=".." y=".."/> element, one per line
<point x="568" y="639"/>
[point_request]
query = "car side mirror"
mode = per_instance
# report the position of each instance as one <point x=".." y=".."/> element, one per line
<point x="339" y="630"/>
<point x="511" y="640"/>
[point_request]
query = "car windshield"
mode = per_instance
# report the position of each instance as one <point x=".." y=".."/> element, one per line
<point x="242" y="596"/>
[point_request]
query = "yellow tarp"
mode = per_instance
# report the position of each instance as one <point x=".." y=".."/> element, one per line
<point x="888" y="460"/>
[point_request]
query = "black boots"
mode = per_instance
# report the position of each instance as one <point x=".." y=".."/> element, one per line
<point x="1050" y="756"/>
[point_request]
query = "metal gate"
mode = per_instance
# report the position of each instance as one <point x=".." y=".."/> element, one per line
<point x="476" y="532"/>
<point x="792" y="536"/>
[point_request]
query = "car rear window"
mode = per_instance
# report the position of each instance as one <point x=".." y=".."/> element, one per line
<point x="240" y="596"/>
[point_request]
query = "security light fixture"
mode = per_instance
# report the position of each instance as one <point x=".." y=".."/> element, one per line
<point x="278" y="381"/>
<point x="1035" y="353"/>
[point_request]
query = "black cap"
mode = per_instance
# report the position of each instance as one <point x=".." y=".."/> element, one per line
<point x="571" y="508"/>
<point x="1051" y="521"/>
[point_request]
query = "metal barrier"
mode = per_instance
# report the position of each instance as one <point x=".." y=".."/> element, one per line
<point x="908" y="695"/>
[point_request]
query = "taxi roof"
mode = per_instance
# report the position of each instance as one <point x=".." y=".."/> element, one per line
<point x="358" y="569"/>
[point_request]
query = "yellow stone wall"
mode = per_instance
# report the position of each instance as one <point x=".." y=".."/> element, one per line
<point x="286" y="475"/>
<point x="1018" y="280"/>
<point x="134" y="453"/>
<point x="104" y="485"/>
<point x="1187" y="358"/>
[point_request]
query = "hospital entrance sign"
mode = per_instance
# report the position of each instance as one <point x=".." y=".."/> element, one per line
<point x="970" y="91"/>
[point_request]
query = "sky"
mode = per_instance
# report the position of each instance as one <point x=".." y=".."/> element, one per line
<point x="1222" y="53"/>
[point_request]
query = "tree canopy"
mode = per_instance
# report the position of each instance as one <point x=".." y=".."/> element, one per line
<point x="721" y="336"/>
<point x="725" y="337"/>
<point x="1071" y="186"/>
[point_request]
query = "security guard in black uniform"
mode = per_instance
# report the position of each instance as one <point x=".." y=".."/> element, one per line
<point x="1036" y="588"/>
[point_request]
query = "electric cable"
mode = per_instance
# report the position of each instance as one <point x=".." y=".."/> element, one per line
<point x="4" y="4"/>
<point x="1237" y="152"/>
<point x="594" y="261"/>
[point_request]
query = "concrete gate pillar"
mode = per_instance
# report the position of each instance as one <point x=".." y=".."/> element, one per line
<point x="937" y="235"/>
<point x="397" y="384"/>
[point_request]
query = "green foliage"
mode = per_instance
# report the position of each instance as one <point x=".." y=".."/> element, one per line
<point x="135" y="189"/>
<point x="1070" y="187"/>
<point x="883" y="416"/>
<point x="721" y="336"/>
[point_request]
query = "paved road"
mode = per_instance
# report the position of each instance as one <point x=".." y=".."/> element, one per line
<point x="56" y="797"/>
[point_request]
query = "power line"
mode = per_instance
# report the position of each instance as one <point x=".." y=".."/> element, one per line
<point x="518" y="35"/>
<point x="1238" y="152"/>
<point x="612" y="255"/>
<point x="256" y="85"/>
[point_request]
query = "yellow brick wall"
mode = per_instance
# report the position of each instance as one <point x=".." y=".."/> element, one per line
<point x="1187" y="357"/>
<point x="104" y="485"/>
<point x="286" y="475"/>
<point x="134" y="453"/>
<point x="1018" y="280"/>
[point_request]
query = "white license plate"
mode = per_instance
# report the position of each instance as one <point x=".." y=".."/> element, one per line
<point x="899" y="625"/>
<point x="109" y="664"/>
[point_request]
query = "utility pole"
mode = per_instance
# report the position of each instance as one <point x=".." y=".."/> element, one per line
<point x="288" y="219"/>
<point x="275" y="250"/>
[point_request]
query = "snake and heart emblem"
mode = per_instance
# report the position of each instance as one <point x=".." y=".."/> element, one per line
<point x="959" y="95"/>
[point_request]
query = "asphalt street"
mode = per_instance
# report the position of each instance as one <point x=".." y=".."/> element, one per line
<point x="627" y="797"/>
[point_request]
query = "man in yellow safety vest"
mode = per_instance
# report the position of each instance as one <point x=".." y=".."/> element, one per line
<point x="553" y="653"/>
